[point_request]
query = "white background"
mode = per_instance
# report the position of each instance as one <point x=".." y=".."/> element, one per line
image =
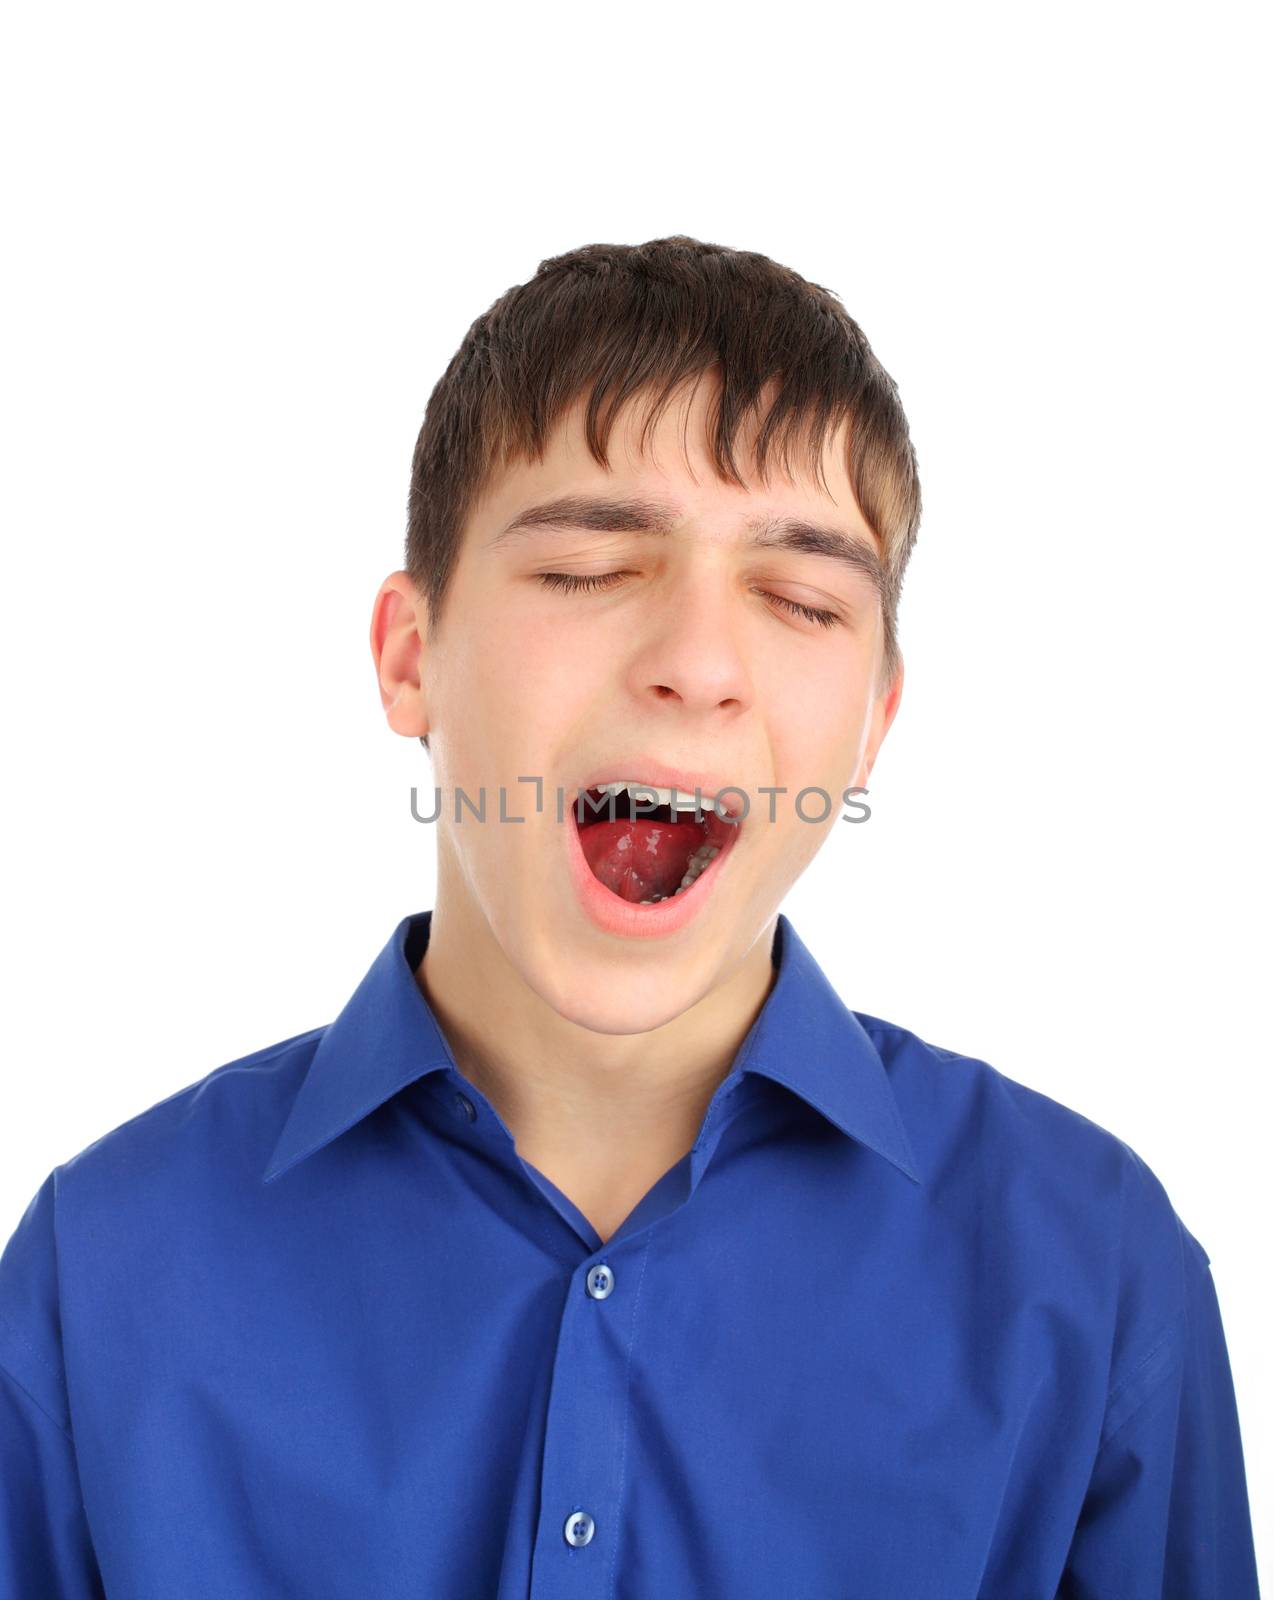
<point x="248" y="239"/>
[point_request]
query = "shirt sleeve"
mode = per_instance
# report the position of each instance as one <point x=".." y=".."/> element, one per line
<point x="1166" y="1514"/>
<point x="45" y="1547"/>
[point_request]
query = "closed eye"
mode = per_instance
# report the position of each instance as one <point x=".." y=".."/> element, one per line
<point x="825" y="619"/>
<point x="591" y="581"/>
<point x="578" y="580"/>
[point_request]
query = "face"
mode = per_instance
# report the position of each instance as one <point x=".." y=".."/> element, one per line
<point x="680" y="659"/>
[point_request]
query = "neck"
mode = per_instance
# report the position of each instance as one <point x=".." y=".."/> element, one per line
<point x="602" y="1115"/>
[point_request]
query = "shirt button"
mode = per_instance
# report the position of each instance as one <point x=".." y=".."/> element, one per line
<point x="600" y="1281"/>
<point x="464" y="1104"/>
<point x="579" y="1528"/>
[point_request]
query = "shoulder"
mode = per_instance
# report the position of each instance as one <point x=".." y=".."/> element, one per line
<point x="966" y="1111"/>
<point x="230" y="1111"/>
<point x="126" y="1193"/>
<point x="949" y="1094"/>
<point x="1084" y="1202"/>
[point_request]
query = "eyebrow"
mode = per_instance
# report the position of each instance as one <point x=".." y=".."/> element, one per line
<point x="601" y="514"/>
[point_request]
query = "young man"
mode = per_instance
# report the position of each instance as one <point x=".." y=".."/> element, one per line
<point x="597" y="1248"/>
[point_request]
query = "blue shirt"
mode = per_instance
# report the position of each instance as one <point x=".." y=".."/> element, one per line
<point x="895" y="1328"/>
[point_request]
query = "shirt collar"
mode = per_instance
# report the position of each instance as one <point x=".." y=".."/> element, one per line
<point x="387" y="1037"/>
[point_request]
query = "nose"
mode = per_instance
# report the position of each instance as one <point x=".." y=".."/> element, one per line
<point x="691" y="650"/>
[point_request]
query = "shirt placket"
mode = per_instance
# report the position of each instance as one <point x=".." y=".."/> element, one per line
<point x="582" y="1475"/>
<point x="579" y="1534"/>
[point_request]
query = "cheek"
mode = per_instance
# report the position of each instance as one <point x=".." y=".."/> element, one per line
<point x="510" y="687"/>
<point x="816" y="733"/>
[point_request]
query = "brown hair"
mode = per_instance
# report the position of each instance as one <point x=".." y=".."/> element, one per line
<point x="615" y="321"/>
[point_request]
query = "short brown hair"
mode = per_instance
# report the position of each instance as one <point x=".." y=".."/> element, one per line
<point x="615" y="321"/>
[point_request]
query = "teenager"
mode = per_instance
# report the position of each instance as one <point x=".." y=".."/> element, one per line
<point x="597" y="1248"/>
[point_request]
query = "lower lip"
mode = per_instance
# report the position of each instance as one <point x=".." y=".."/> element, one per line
<point x="613" y="914"/>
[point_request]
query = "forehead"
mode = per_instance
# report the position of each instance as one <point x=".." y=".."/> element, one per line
<point x="671" y="455"/>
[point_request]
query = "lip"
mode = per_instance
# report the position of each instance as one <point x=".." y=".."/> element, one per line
<point x="611" y="912"/>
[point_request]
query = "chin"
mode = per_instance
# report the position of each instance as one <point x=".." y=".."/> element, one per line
<point x="600" y="995"/>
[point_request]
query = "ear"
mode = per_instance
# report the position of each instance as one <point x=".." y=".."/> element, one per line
<point x="884" y="710"/>
<point x="398" y="639"/>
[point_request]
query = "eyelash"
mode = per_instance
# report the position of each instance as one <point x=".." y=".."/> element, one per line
<point x="574" y="582"/>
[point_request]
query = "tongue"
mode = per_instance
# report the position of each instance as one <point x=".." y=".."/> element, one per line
<point x="639" y="858"/>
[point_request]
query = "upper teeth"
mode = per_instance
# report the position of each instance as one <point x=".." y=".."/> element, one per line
<point x="649" y="794"/>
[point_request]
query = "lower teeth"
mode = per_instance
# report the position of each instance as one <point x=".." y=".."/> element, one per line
<point x="697" y="864"/>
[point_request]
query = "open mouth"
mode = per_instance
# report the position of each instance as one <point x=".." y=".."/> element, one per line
<point x="646" y="852"/>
